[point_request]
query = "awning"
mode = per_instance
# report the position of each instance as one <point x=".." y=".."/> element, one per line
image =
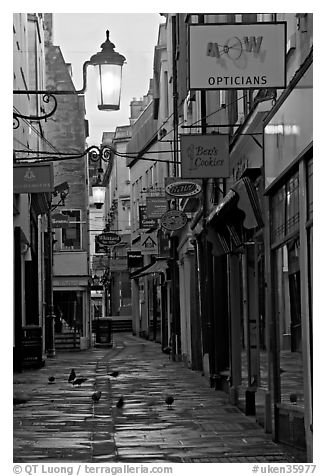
<point x="159" y="266"/>
<point x="242" y="194"/>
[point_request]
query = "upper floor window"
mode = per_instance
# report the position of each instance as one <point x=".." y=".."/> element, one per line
<point x="70" y="237"/>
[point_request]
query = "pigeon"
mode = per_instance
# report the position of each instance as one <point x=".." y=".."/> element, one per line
<point x="51" y="379"/>
<point x="120" y="402"/>
<point x="114" y="374"/>
<point x="169" y="400"/>
<point x="293" y="397"/>
<point x="72" y="376"/>
<point x="78" y="381"/>
<point x="167" y="350"/>
<point x="96" y="396"/>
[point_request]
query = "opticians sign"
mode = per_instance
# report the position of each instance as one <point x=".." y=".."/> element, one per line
<point x="237" y="56"/>
<point x="204" y="156"/>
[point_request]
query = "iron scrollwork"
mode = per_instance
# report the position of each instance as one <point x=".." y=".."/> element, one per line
<point x="46" y="99"/>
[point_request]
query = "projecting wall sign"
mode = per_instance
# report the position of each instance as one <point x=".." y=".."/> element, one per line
<point x="174" y="220"/>
<point x="108" y="239"/>
<point x="204" y="156"/>
<point x="237" y="56"/>
<point x="180" y="188"/>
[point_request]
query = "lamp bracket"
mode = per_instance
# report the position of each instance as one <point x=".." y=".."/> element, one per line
<point x="95" y="154"/>
<point x="47" y="97"/>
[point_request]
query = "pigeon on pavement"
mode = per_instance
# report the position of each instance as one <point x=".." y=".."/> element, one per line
<point x="79" y="380"/>
<point x="51" y="379"/>
<point x="293" y="398"/>
<point x="72" y="376"/>
<point x="114" y="374"/>
<point x="120" y="402"/>
<point x="169" y="400"/>
<point x="96" y="396"/>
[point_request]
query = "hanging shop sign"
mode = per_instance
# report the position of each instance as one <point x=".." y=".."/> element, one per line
<point x="204" y="156"/>
<point x="36" y="178"/>
<point x="181" y="188"/>
<point x="174" y="220"/>
<point x="148" y="243"/>
<point x="108" y="239"/>
<point x="144" y="221"/>
<point x="156" y="206"/>
<point x="135" y="259"/>
<point x="237" y="56"/>
<point x="59" y="220"/>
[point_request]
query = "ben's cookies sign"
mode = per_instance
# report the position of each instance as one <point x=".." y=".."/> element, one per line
<point x="204" y="156"/>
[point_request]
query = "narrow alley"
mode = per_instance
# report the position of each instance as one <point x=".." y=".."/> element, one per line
<point x="61" y="422"/>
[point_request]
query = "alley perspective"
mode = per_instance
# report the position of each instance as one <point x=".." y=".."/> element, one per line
<point x="121" y="412"/>
<point x="163" y="237"/>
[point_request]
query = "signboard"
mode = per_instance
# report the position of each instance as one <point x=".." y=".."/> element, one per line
<point x="135" y="259"/>
<point x="148" y="243"/>
<point x="174" y="220"/>
<point x="108" y="239"/>
<point x="204" y="156"/>
<point x="237" y="56"/>
<point x="36" y="178"/>
<point x="59" y="220"/>
<point x="156" y="206"/>
<point x="290" y="129"/>
<point x="144" y="221"/>
<point x="180" y="188"/>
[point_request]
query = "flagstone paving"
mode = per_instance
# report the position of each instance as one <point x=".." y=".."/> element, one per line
<point x="60" y="422"/>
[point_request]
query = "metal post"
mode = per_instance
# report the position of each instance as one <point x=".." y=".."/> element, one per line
<point x="50" y="316"/>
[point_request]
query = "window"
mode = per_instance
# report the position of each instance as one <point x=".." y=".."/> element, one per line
<point x="285" y="209"/>
<point x="69" y="238"/>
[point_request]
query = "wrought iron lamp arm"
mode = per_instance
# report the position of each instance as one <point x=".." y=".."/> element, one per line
<point x="47" y="96"/>
<point x="58" y="92"/>
<point x="95" y="154"/>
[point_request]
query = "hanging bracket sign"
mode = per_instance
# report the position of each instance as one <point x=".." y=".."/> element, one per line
<point x="204" y="156"/>
<point x="108" y="239"/>
<point x="181" y="188"/>
<point x="174" y="220"/>
<point x="237" y="56"/>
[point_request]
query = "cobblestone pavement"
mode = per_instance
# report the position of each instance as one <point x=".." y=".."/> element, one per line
<point x="60" y="422"/>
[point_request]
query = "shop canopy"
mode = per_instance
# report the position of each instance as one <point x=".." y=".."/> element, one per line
<point x="159" y="266"/>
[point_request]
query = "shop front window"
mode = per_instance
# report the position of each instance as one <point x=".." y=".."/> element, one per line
<point x="287" y="289"/>
<point x="288" y="314"/>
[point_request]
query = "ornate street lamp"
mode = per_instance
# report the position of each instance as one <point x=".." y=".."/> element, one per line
<point x="108" y="65"/>
<point x="98" y="190"/>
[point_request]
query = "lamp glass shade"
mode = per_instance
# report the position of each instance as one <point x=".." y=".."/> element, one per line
<point x="98" y="195"/>
<point x="109" y="86"/>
